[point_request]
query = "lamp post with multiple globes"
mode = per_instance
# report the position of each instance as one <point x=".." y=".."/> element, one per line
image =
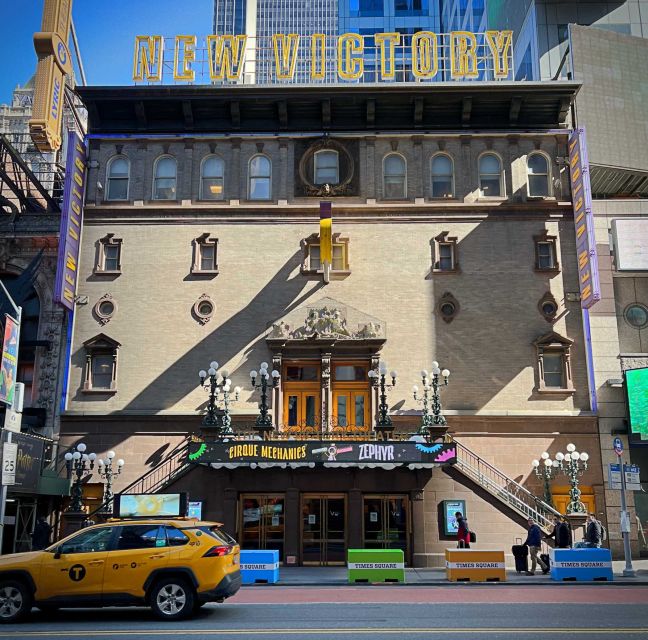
<point x="431" y="400"/>
<point x="216" y="382"/>
<point x="263" y="421"/>
<point x="78" y="463"/>
<point x="378" y="378"/>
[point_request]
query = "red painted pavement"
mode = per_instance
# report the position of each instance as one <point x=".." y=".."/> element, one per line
<point x="433" y="595"/>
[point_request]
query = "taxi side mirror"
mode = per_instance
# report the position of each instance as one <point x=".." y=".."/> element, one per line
<point x="57" y="553"/>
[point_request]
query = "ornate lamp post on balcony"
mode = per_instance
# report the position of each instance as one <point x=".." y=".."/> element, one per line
<point x="78" y="463"/>
<point x="432" y="416"/>
<point x="215" y="382"/>
<point x="263" y="422"/>
<point x="107" y="472"/>
<point x="546" y="469"/>
<point x="573" y="464"/>
<point x="384" y="423"/>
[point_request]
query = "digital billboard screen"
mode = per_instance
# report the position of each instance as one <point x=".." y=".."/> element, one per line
<point x="150" y="505"/>
<point x="637" y="390"/>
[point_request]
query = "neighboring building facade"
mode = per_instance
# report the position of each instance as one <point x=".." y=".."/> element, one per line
<point x="453" y="241"/>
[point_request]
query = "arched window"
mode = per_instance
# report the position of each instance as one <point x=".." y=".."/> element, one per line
<point x="117" y="179"/>
<point x="491" y="178"/>
<point x="212" y="172"/>
<point x="442" y="176"/>
<point x="394" y="177"/>
<point x="165" y="178"/>
<point x="260" y="178"/>
<point x="326" y="167"/>
<point x="538" y="175"/>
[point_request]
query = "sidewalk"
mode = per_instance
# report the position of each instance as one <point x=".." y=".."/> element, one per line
<point x="337" y="576"/>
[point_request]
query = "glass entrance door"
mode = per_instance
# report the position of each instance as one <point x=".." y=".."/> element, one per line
<point x="323" y="529"/>
<point x="262" y="522"/>
<point x="386" y="522"/>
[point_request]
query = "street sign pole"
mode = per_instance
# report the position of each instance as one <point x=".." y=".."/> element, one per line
<point x="628" y="572"/>
<point x="3" y="497"/>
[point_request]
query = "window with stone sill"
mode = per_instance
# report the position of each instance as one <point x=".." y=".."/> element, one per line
<point x="100" y="375"/>
<point x="545" y="253"/>
<point x="444" y="254"/>
<point x="109" y="255"/>
<point x="205" y="255"/>
<point x="311" y="262"/>
<point x="554" y="364"/>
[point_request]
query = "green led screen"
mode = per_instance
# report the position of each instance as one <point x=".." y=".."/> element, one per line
<point x="637" y="388"/>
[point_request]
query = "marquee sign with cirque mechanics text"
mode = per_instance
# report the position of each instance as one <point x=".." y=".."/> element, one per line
<point x="352" y="453"/>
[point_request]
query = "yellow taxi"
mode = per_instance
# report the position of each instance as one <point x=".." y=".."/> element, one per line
<point x="174" y="566"/>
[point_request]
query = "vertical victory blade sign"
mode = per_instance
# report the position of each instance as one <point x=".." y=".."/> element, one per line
<point x="326" y="239"/>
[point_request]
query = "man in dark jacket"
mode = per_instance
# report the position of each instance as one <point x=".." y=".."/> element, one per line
<point x="41" y="535"/>
<point x="561" y="533"/>
<point x="593" y="534"/>
<point x="533" y="541"/>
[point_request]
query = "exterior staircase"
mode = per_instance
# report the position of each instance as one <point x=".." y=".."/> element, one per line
<point x="508" y="491"/>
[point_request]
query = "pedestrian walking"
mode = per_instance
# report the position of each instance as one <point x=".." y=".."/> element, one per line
<point x="593" y="534"/>
<point x="463" y="532"/>
<point x="533" y="541"/>
<point x="41" y="534"/>
<point x="561" y="533"/>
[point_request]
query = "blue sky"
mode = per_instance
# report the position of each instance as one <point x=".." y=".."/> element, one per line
<point x="106" y="30"/>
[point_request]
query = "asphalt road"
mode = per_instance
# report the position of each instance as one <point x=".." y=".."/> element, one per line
<point x="465" y="612"/>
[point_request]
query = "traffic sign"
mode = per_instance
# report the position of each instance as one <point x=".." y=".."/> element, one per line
<point x="9" y="457"/>
<point x="12" y="421"/>
<point x="618" y="446"/>
<point x="632" y="477"/>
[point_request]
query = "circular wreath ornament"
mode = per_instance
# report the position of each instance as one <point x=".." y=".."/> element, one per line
<point x="346" y="169"/>
<point x="203" y="309"/>
<point x="105" y="309"/>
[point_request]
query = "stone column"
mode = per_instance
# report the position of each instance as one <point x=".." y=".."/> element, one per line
<point x="292" y="526"/>
<point x="418" y="528"/>
<point x="325" y="404"/>
<point x="277" y="394"/>
<point x="416" y="181"/>
<point x="370" y="186"/>
<point x="283" y="168"/>
<point x="355" y="518"/>
<point x="235" y="182"/>
<point x="230" y="499"/>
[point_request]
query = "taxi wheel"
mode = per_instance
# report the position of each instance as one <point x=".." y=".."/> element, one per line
<point x="15" y="601"/>
<point x="172" y="599"/>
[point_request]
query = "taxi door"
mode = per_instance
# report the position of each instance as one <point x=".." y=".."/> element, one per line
<point x="75" y="570"/>
<point x="139" y="550"/>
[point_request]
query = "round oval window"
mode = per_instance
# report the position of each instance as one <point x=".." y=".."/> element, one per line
<point x="447" y="309"/>
<point x="549" y="308"/>
<point x="636" y="315"/>
<point x="106" y="308"/>
<point x="205" y="308"/>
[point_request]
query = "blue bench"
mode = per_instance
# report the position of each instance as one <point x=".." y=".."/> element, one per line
<point x="581" y="564"/>
<point x="259" y="566"/>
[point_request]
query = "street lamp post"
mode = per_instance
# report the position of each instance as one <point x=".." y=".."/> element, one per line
<point x="78" y="463"/>
<point x="263" y="421"/>
<point x="215" y="382"/>
<point x="573" y="464"/>
<point x="378" y="378"/>
<point x="107" y="472"/>
<point x="432" y="415"/>
<point x="546" y="469"/>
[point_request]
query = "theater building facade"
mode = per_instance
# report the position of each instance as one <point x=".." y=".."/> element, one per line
<point x="452" y="242"/>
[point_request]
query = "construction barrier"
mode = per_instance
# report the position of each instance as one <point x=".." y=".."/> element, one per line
<point x="581" y="564"/>
<point x="260" y="566"/>
<point x="475" y="566"/>
<point x="376" y="565"/>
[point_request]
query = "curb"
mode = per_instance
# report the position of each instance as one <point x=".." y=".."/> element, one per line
<point x="446" y="583"/>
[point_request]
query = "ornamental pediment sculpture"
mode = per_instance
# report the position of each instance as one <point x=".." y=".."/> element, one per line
<point x="327" y="320"/>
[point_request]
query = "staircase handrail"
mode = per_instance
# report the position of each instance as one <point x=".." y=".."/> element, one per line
<point x="173" y="458"/>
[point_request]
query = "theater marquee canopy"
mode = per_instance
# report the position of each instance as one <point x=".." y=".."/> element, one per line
<point x="312" y="453"/>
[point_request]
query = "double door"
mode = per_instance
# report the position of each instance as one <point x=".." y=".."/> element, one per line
<point x="386" y="522"/>
<point x="324" y="529"/>
<point x="262" y="523"/>
<point x="302" y="408"/>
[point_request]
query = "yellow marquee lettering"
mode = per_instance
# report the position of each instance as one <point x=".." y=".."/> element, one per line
<point x="579" y="204"/>
<point x="68" y="294"/>
<point x="425" y="54"/>
<point x="500" y="46"/>
<point x="580" y="231"/>
<point x="183" y="56"/>
<point x="575" y="160"/>
<point x="70" y="262"/>
<point x="69" y="279"/>
<point x="76" y="207"/>
<point x="576" y="173"/>
<point x="582" y="259"/>
<point x="225" y="55"/>
<point x="318" y="56"/>
<point x="73" y="234"/>
<point x="285" y="54"/>
<point x="78" y="163"/>
<point x="463" y="54"/>
<point x="350" y="45"/>
<point x="386" y="43"/>
<point x="587" y="292"/>
<point x="147" y="61"/>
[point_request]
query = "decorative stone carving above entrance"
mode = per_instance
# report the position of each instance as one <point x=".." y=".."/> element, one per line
<point x="327" y="319"/>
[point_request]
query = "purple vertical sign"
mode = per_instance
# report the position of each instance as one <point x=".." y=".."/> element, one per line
<point x="588" y="276"/>
<point x="71" y="218"/>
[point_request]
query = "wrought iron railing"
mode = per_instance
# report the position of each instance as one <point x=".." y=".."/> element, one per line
<point x="498" y="484"/>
